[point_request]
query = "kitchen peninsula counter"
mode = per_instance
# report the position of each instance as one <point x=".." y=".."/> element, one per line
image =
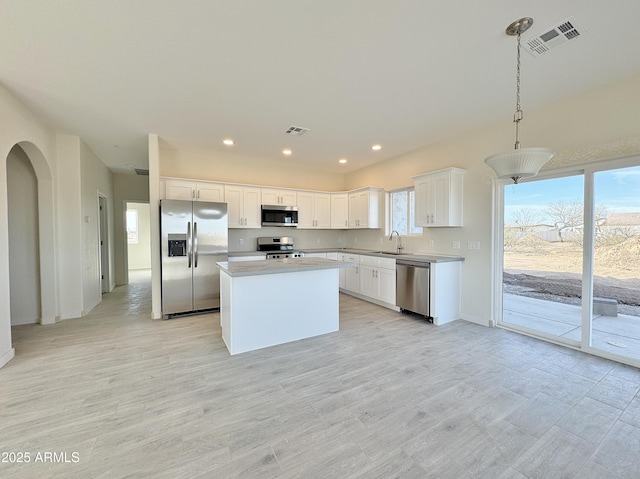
<point x="265" y="303"/>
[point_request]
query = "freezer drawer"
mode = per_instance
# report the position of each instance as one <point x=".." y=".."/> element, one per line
<point x="412" y="287"/>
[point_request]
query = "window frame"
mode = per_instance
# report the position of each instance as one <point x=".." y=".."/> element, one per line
<point x="410" y="228"/>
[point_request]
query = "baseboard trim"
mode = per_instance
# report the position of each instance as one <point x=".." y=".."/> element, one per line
<point x="6" y="357"/>
<point x="475" y="320"/>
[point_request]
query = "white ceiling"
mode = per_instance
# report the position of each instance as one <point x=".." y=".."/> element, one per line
<point x="402" y="73"/>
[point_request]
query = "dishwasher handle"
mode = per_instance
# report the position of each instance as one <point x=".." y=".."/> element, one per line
<point x="413" y="264"/>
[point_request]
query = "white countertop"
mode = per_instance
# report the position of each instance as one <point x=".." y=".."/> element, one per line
<point x="276" y="266"/>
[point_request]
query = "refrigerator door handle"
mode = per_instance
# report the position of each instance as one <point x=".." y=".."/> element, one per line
<point x="189" y="244"/>
<point x="195" y="244"/>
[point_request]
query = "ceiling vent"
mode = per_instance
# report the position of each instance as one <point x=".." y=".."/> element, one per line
<point x="559" y="35"/>
<point x="141" y="172"/>
<point x="296" y="130"/>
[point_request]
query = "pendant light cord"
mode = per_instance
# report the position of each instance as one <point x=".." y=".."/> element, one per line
<point x="517" y="116"/>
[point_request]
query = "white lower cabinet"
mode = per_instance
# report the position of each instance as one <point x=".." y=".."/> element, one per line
<point x="342" y="271"/>
<point x="352" y="275"/>
<point x="378" y="278"/>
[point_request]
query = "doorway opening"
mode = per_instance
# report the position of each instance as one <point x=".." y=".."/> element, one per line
<point x="24" y="244"/>
<point x="138" y="229"/>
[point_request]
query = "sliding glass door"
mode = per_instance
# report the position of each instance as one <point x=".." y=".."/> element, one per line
<point x="543" y="257"/>
<point x="615" y="325"/>
<point x="571" y="258"/>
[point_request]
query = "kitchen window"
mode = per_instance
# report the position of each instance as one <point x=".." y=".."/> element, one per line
<point x="402" y="212"/>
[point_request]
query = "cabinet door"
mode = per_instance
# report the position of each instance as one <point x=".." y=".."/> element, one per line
<point x="423" y="202"/>
<point x="306" y="215"/>
<point x="387" y="285"/>
<point x="440" y="198"/>
<point x="180" y="190"/>
<point x="270" y="196"/>
<point x="339" y="211"/>
<point x="252" y="202"/>
<point x="368" y="281"/>
<point x="354" y="212"/>
<point x="273" y="196"/>
<point x="289" y="198"/>
<point x="352" y="277"/>
<point x="323" y="210"/>
<point x="233" y="196"/>
<point x="363" y="209"/>
<point x="210" y="192"/>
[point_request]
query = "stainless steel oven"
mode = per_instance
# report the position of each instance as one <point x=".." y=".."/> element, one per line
<point x="280" y="247"/>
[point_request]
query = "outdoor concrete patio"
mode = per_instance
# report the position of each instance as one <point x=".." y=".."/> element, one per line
<point x="618" y="335"/>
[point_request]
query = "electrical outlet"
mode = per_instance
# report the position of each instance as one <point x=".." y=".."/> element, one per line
<point x="473" y="245"/>
<point x="431" y="243"/>
<point x="241" y="240"/>
<point x="455" y="244"/>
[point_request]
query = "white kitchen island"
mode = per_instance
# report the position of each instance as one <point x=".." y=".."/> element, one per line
<point x="269" y="302"/>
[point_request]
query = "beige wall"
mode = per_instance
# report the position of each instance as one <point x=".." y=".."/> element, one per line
<point x="125" y="188"/>
<point x="222" y="166"/>
<point x="96" y="179"/>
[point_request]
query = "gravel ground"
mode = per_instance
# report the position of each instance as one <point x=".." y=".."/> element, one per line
<point x="567" y="288"/>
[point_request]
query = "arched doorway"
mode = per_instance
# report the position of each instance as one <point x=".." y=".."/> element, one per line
<point x="24" y="247"/>
<point x="34" y="171"/>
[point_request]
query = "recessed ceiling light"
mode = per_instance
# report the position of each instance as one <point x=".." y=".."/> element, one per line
<point x="342" y="160"/>
<point x="376" y="147"/>
<point x="286" y="151"/>
<point x="228" y="141"/>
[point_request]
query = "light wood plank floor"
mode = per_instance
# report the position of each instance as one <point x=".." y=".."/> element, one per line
<point x="386" y="396"/>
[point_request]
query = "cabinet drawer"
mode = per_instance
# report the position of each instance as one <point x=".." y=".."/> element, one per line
<point x="378" y="262"/>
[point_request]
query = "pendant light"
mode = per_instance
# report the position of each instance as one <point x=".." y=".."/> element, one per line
<point x="520" y="162"/>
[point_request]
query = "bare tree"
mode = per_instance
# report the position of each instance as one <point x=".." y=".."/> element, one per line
<point x="525" y="219"/>
<point x="566" y="216"/>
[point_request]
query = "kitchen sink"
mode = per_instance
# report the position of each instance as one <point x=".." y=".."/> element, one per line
<point x="388" y="252"/>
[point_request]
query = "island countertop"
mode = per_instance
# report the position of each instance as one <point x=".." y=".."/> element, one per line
<point x="276" y="266"/>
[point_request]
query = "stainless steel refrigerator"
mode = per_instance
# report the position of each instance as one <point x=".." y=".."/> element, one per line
<point x="194" y="236"/>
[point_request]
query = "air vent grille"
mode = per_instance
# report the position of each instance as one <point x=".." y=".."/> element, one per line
<point x="559" y="35"/>
<point x="296" y="130"/>
<point x="141" y="172"/>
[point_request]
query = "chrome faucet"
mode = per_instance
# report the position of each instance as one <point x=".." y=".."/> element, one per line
<point x="399" y="247"/>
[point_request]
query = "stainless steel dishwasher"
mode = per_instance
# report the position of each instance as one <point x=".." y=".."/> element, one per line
<point x="412" y="286"/>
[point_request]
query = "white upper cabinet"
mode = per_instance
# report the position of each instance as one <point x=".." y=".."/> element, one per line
<point x="438" y="198"/>
<point x="243" y="206"/>
<point x="364" y="208"/>
<point x="194" y="190"/>
<point x="273" y="196"/>
<point x="314" y="210"/>
<point x="339" y="210"/>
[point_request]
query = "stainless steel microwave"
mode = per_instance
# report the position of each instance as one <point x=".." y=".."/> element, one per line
<point x="279" y="215"/>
